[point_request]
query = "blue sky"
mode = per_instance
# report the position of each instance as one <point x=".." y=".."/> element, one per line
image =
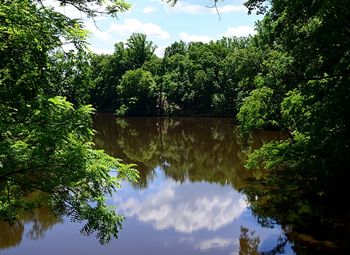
<point x="188" y="20"/>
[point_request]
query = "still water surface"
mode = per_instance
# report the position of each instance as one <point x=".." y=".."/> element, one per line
<point x="187" y="201"/>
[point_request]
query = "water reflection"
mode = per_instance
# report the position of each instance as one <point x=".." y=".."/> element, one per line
<point x="188" y="199"/>
<point x="185" y="207"/>
<point x="196" y="152"/>
<point x="217" y="243"/>
<point x="248" y="242"/>
<point x="194" y="149"/>
<point x="38" y="222"/>
<point x="315" y="222"/>
<point x="11" y="235"/>
<point x="190" y="170"/>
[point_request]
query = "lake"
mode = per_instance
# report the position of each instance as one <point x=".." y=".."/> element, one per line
<point x="189" y="199"/>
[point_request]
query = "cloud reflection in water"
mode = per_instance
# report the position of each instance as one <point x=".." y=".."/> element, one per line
<point x="185" y="207"/>
<point x="217" y="242"/>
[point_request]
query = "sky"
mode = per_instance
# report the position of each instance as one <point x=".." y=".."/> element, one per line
<point x="188" y="20"/>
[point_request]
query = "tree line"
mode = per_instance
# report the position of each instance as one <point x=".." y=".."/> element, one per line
<point x="191" y="78"/>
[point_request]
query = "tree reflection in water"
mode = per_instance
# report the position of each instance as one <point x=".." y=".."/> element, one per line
<point x="314" y="217"/>
<point x="316" y="222"/>
<point x="41" y="220"/>
<point x="194" y="149"/>
<point x="249" y="244"/>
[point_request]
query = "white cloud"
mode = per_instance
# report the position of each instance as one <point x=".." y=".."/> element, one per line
<point x="185" y="208"/>
<point x="202" y="9"/>
<point x="188" y="8"/>
<point x="100" y="18"/>
<point x="102" y="51"/>
<point x="149" y="9"/>
<point x="160" y="51"/>
<point x="239" y="31"/>
<point x="232" y="8"/>
<point x="97" y="32"/>
<point x="135" y="26"/>
<point x="67" y="10"/>
<point x="68" y="47"/>
<point x="194" y="38"/>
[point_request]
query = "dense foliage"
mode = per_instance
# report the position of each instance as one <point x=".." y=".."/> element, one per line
<point x="45" y="139"/>
<point x="194" y="78"/>
<point x="302" y="89"/>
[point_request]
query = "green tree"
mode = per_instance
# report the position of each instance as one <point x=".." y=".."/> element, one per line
<point x="45" y="140"/>
<point x="176" y="84"/>
<point x="307" y="72"/>
<point x="102" y="93"/>
<point x="139" y="50"/>
<point x="137" y="92"/>
<point x="72" y="72"/>
<point x="302" y="88"/>
<point x="175" y="48"/>
<point x="107" y="70"/>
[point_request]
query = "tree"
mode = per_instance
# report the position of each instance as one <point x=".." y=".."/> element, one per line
<point x="302" y="88"/>
<point x="72" y="71"/>
<point x="107" y="70"/>
<point x="175" y="48"/>
<point x="109" y="7"/>
<point x="102" y="94"/>
<point x="307" y="72"/>
<point x="45" y="140"/>
<point x="137" y="92"/>
<point x="139" y="50"/>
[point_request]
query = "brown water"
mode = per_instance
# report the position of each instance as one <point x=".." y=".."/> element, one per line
<point x="188" y="200"/>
